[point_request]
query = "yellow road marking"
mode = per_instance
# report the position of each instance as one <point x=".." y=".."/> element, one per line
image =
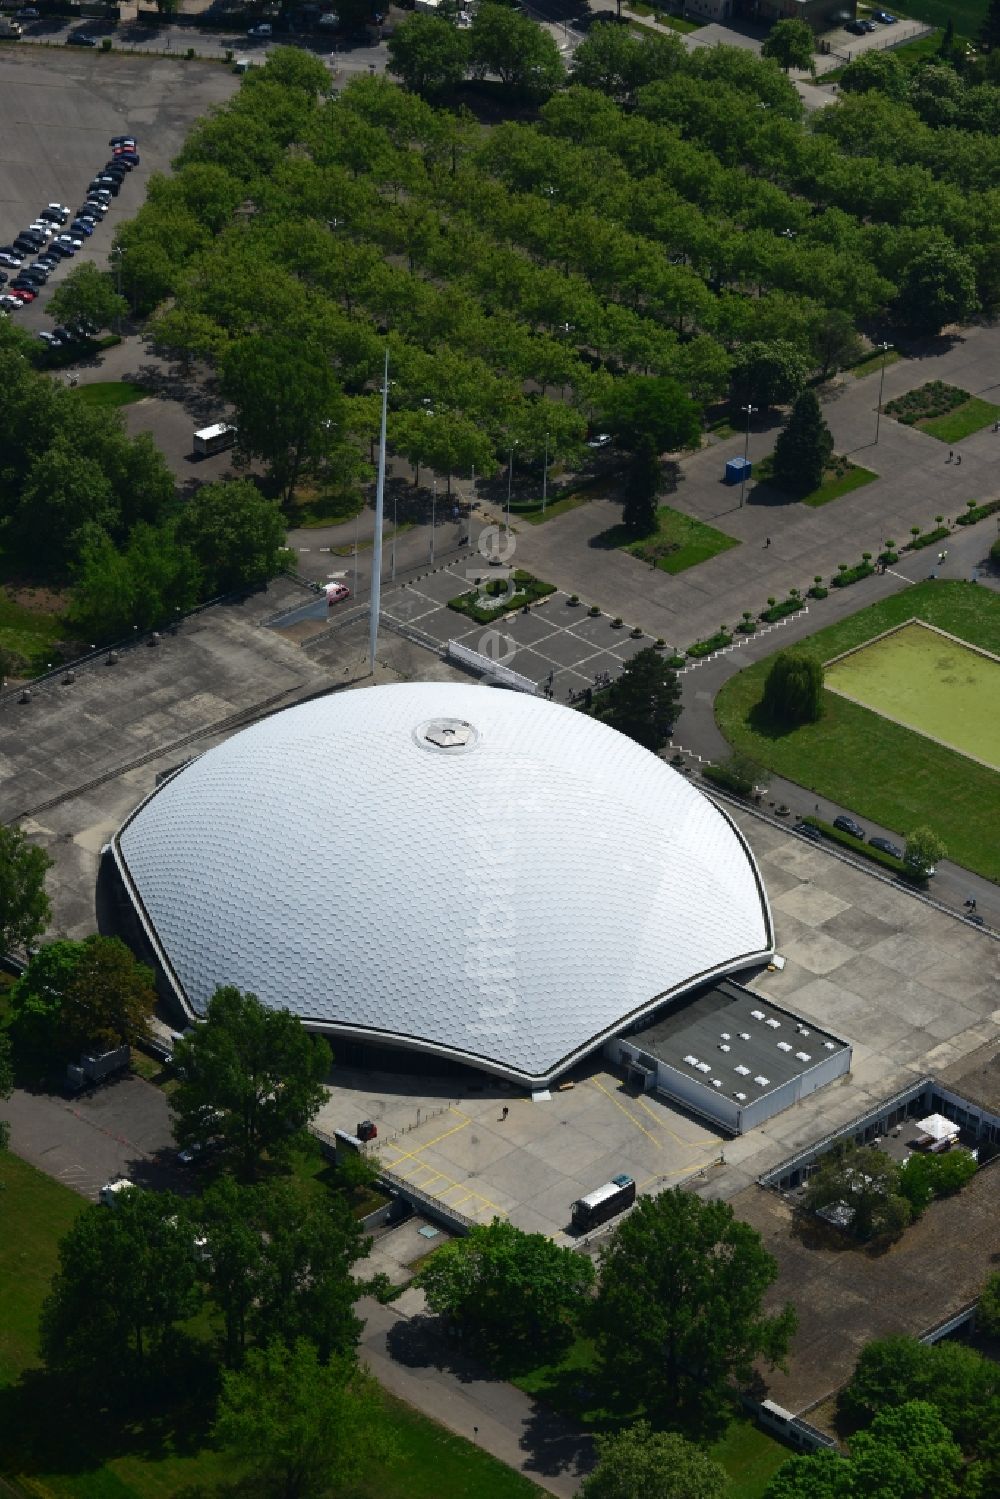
<point x="653" y="1115"/>
<point x="642" y="1127"/>
<point x="407" y="1154"/>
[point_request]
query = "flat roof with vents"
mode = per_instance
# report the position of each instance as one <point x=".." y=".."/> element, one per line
<point x="730" y="1034"/>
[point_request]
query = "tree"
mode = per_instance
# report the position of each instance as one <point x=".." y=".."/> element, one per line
<point x="925" y="1177"/>
<point x="77" y="995"/>
<point x="767" y="373"/>
<point x="937" y="287"/>
<point x="790" y="44"/>
<point x="237" y="535"/>
<point x="289" y="406"/>
<point x="803" y="448"/>
<point x="126" y="1278"/>
<point x="988" y="1312"/>
<point x="989" y="31"/>
<point x="654" y="1464"/>
<point x="906" y="1453"/>
<point x="880" y="71"/>
<point x="922" y="851"/>
<point x="687" y="1279"/>
<point x="512" y="1290"/>
<point x="232" y="1269"/>
<point x="642" y="409"/>
<point x="429" y="55"/>
<point x="87" y="295"/>
<point x="522" y="54"/>
<point x="820" y="1475"/>
<point x="6" y="1086"/>
<point x="24" y="905"/>
<point x="863" y="1182"/>
<point x="644" y="702"/>
<point x="300" y="1428"/>
<point x="793" y="689"/>
<point x="643" y="483"/>
<point x="104" y="589"/>
<point x="253" y="1069"/>
<point x="959" y="1382"/>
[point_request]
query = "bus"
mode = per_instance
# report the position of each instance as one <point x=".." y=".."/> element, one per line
<point x="597" y="1207"/>
<point x="213" y="439"/>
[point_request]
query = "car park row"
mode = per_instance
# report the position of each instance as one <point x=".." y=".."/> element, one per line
<point x="56" y="235"/>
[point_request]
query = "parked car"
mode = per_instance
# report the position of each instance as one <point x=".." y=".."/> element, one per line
<point x="27" y="13"/>
<point x="883" y="17"/>
<point x="63" y="251"/>
<point x="81" y="39"/>
<point x="856" y="28"/>
<point x="9" y="302"/>
<point x="23" y="294"/>
<point x="33" y="275"/>
<point x="81" y="226"/>
<point x="601" y="440"/>
<point x="10" y="257"/>
<point x="53" y="215"/>
<point x="3" y="277"/>
<point x="49" y="338"/>
<point x="130" y="158"/>
<point x="808" y="831"/>
<point x="123" y="140"/>
<point x="262" y="29"/>
<point x="336" y="592"/>
<point x="847" y="825"/>
<point x="884" y="846"/>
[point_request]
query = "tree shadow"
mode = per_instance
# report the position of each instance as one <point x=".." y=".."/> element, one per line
<point x="765" y="494"/>
<point x="767" y="727"/>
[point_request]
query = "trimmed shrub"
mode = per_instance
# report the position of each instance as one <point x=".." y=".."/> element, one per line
<point x="928" y="538"/>
<point x="851" y="575"/>
<point x="716" y="642"/>
<point x="859" y="846"/>
<point x="779" y="611"/>
<point x="737" y="774"/>
<point x="978" y="512"/>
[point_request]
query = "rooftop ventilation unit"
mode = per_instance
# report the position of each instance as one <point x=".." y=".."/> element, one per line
<point x="784" y="1046"/>
<point x="724" y="1046"/>
<point x="761" y="1080"/>
<point x="691" y="1061"/>
<point x="774" y="1024"/>
<point x="757" y="1014"/>
<point x="741" y="1097"/>
<point x="726" y="1036"/>
<point x="803" y="1056"/>
<point x="830" y="1045"/>
<point x="743" y="1071"/>
<point x="744" y="1035"/>
<point x="704" y="1067"/>
<point x="717" y="1082"/>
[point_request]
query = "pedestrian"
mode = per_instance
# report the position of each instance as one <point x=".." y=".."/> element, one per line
<point x="972" y="904"/>
<point x="767" y="543"/>
<point x="950" y="456"/>
<point x="503" y="1113"/>
<point x="958" y="457"/>
<point x="996" y="426"/>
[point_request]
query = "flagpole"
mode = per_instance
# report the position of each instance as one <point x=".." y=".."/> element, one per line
<point x="377" y="548"/>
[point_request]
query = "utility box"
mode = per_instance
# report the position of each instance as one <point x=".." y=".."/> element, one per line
<point x="738" y="470"/>
<point x="96" y="1069"/>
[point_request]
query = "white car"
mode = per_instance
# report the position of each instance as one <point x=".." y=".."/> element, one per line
<point x="14" y="261"/>
<point x="263" y="28"/>
<point x="9" y="303"/>
<point x="58" y="208"/>
<point x="41" y="227"/>
<point x="602" y="440"/>
<point x="71" y="241"/>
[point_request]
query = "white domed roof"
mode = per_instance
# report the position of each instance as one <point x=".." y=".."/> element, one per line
<point x="451" y="867"/>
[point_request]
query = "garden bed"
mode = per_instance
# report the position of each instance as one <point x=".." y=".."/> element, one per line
<point x="943" y="411"/>
<point x="679" y="541"/>
<point x="527" y="589"/>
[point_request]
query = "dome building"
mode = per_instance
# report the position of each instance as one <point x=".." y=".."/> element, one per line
<point x="466" y="874"/>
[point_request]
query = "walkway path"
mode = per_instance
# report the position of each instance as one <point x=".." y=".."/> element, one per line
<point x="401" y="1350"/>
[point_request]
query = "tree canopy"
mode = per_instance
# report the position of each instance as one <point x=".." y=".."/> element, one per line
<point x="790" y="43"/>
<point x="922" y="850"/>
<point x="24" y="904"/>
<point x="250" y="1075"/>
<point x="428" y="54"/>
<point x="687" y="1279"/>
<point x="87" y="294"/>
<point x="654" y="1464"/>
<point x="511" y="1290"/>
<point x="803" y="448"/>
<point x="793" y="689"/>
<point x="299" y="1427"/>
<point x="644" y="701"/>
<point x="235" y="534"/>
<point x="76" y="996"/>
<point x="864" y="1182"/>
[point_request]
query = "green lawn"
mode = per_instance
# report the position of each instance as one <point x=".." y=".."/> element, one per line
<point x="873" y="363"/>
<point x="972" y="416"/>
<point x="880" y="769"/>
<point x="30" y="634"/>
<point x="966" y="14"/>
<point x="155" y="1461"/>
<point x="110" y="393"/>
<point x="679" y="541"/>
<point x="929" y="683"/>
<point x="842" y="480"/>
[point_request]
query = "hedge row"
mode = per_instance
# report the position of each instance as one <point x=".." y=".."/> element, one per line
<point x="978" y="512"/>
<point x="715" y="642"/>
<point x="938" y="534"/>
<point x="852" y="575"/>
<point x="779" y="611"/>
<point x="859" y="846"/>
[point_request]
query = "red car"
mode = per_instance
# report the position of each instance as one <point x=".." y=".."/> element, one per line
<point x="21" y="294"/>
<point x="336" y="592"/>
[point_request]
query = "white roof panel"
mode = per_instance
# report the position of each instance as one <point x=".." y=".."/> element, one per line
<point x="449" y="866"/>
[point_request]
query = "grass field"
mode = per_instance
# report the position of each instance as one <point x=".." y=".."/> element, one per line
<point x="970" y="417"/>
<point x="161" y="1459"/>
<point x="880" y="769"/>
<point x="967" y="14"/>
<point x="851" y="476"/>
<point x="929" y="683"/>
<point x="873" y="363"/>
<point x="679" y="542"/>
<point x="30" y="633"/>
<point x="110" y="393"/>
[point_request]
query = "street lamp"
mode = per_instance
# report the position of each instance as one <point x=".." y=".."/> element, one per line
<point x="881" y="381"/>
<point x="118" y="251"/>
<point x="746" y="449"/>
<point x="510" y="478"/>
<point x="545" y="472"/>
<point x="434" y="495"/>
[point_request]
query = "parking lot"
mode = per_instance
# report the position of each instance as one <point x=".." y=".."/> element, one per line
<point x="58" y="110"/>
<point x="557" y="644"/>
